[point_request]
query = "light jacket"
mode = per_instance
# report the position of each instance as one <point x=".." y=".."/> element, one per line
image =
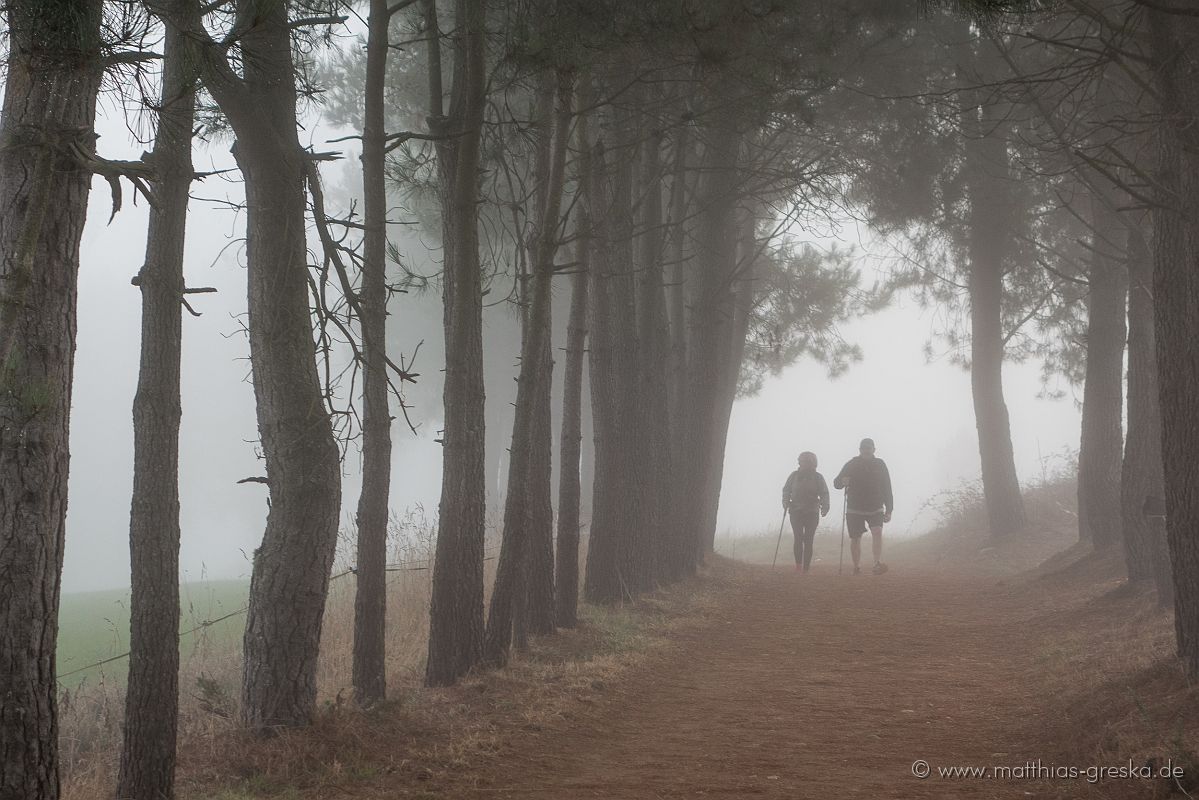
<point x="805" y="490"/>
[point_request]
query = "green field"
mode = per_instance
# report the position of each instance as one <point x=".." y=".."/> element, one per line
<point x="94" y="626"/>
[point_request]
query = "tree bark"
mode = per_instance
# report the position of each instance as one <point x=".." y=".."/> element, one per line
<point x="987" y="181"/>
<point x="621" y="557"/>
<point x="566" y="579"/>
<point x="712" y="317"/>
<point x="1175" y="40"/>
<point x="1145" y="552"/>
<point x="653" y="329"/>
<point x="52" y="79"/>
<point x="571" y="469"/>
<point x="603" y="582"/>
<point x="456" y="605"/>
<point x="527" y="554"/>
<point x="290" y="577"/>
<point x="741" y="306"/>
<point x="1100" y="449"/>
<point x="370" y="601"/>
<point x="547" y="235"/>
<point x="681" y="556"/>
<point x="147" y="769"/>
<point x="587" y="429"/>
<point x="636" y="554"/>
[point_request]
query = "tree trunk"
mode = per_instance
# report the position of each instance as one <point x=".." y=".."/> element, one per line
<point x="527" y="555"/>
<point x="52" y="79"/>
<point x="681" y="558"/>
<point x="566" y="579"/>
<point x="147" y="770"/>
<point x="370" y="601"/>
<point x="653" y="334"/>
<point x="1099" y="452"/>
<point x="456" y="606"/>
<point x="540" y="473"/>
<point x="1145" y="551"/>
<point x="602" y="579"/>
<point x="987" y="177"/>
<point x="677" y="292"/>
<point x="712" y="317"/>
<point x="587" y="431"/>
<point x="636" y="562"/>
<point x="571" y="470"/>
<point x="742" y="304"/>
<point x="1175" y="40"/>
<point x="290" y="577"/>
<point x="620" y="560"/>
<point x="516" y="553"/>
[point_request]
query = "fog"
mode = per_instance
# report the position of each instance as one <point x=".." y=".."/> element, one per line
<point x="918" y="410"/>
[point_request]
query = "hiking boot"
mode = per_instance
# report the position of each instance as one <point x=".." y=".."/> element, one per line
<point x="857" y="570"/>
<point x="879" y="568"/>
<point x="798" y="568"/>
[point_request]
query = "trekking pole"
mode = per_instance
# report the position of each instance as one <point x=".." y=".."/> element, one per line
<point x="844" y="511"/>
<point x="780" y="541"/>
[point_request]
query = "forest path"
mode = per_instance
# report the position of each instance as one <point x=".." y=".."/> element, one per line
<point x="811" y="686"/>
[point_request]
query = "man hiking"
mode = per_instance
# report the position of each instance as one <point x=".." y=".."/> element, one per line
<point x="868" y="502"/>
<point x="805" y="498"/>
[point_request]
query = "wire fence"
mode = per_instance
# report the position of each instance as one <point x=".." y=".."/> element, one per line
<point x="402" y="566"/>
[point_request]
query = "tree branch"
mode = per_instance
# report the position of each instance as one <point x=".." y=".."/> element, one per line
<point x="304" y="22"/>
<point x="1167" y="9"/>
<point x="400" y="6"/>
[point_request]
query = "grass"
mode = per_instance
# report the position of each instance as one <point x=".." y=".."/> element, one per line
<point x="418" y="730"/>
<point x="94" y="626"/>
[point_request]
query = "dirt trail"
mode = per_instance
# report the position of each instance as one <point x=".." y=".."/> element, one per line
<point x="809" y="686"/>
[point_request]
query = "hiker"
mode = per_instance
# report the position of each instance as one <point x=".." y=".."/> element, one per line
<point x="805" y="498"/>
<point x="868" y="502"/>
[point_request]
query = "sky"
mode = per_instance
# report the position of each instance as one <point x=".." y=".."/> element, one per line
<point x="919" y="412"/>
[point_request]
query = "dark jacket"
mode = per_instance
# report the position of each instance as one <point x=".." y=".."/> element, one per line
<point x="805" y="490"/>
<point x="869" y="485"/>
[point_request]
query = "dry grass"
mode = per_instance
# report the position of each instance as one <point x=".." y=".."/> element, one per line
<point x="418" y="735"/>
<point x="961" y="542"/>
<point x="1106" y="650"/>
<point x="210" y="675"/>
<point x="426" y="737"/>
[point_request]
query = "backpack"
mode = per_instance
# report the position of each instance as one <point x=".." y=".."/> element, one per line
<point x="805" y="489"/>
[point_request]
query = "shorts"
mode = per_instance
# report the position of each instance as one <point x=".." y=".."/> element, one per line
<point x="859" y="522"/>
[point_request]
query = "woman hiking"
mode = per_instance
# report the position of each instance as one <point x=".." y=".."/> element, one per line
<point x="806" y="499"/>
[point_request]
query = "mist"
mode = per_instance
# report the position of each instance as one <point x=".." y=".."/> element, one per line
<point x="548" y="398"/>
<point x="917" y="410"/>
<point x="916" y="406"/>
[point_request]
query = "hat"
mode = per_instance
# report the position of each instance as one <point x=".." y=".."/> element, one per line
<point x="807" y="459"/>
<point x="867" y="445"/>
